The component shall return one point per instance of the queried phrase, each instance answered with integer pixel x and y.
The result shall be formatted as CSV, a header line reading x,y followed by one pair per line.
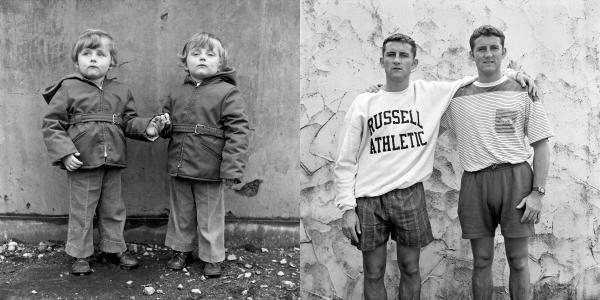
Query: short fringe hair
x,y
91,38
486,30
204,40
399,37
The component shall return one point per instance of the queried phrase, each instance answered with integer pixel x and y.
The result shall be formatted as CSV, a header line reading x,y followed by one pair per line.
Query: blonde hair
x,y
204,40
92,38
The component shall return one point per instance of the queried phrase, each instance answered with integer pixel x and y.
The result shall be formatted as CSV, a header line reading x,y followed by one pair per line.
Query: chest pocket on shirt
x,y
505,120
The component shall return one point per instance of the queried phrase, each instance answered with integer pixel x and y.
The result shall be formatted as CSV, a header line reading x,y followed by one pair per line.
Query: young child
x,y
208,141
84,128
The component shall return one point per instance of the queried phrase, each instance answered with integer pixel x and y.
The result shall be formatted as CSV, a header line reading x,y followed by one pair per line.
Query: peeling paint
x,y
556,42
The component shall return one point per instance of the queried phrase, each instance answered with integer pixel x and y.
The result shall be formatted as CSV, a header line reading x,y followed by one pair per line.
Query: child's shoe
x,y
179,260
124,260
212,269
81,267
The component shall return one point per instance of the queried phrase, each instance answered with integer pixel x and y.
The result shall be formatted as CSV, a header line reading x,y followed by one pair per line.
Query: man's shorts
x,y
401,212
490,196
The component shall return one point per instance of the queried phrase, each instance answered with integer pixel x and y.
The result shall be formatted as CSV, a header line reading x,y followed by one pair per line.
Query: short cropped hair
x,y
399,37
486,30
91,38
204,40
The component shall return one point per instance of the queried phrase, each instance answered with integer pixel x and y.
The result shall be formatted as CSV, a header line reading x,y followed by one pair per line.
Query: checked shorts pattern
x,y
401,213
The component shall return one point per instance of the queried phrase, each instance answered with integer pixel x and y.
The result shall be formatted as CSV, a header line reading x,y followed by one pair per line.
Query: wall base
x,y
238,231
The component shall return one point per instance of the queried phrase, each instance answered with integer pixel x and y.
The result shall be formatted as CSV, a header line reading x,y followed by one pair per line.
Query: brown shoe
x,y
179,260
81,267
212,269
124,260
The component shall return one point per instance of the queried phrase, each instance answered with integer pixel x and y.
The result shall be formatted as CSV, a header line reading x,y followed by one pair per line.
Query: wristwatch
x,y
539,189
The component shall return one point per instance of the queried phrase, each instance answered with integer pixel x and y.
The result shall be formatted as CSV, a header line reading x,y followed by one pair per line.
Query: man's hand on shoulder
x,y
351,226
526,81
374,88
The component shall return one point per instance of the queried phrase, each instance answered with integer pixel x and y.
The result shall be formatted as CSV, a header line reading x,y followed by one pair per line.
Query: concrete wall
x,y
262,39
554,41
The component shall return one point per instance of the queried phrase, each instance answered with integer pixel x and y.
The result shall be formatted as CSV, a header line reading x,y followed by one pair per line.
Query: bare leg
x,y
517,253
410,282
374,268
483,256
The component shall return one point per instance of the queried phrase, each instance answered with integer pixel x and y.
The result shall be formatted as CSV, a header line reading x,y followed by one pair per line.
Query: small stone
x,y
149,290
252,281
248,266
292,265
149,249
283,261
202,278
264,286
244,292
187,273
288,285
231,257
159,291
247,275
146,253
240,276
196,291
129,282
264,250
12,246
40,256
184,270
257,272
27,255
34,292
42,247
180,287
280,273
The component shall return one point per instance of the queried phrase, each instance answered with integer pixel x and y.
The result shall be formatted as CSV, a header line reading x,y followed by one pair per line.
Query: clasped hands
x,y
157,124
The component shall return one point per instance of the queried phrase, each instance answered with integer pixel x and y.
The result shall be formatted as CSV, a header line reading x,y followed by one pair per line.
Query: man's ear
x,y
471,55
414,64
503,52
381,61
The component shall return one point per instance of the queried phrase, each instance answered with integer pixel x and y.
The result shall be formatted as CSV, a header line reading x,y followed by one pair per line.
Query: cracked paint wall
x,y
261,36
555,41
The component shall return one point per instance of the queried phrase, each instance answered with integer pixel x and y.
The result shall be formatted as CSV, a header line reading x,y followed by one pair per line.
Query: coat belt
x,y
198,129
96,117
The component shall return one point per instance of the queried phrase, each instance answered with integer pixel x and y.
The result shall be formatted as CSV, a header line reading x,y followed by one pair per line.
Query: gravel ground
x,y
42,271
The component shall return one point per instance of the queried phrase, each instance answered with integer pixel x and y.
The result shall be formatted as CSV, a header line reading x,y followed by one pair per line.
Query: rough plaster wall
x,y
555,41
35,42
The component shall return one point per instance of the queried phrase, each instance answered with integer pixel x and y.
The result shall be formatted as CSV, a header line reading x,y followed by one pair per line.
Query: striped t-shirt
x,y
491,122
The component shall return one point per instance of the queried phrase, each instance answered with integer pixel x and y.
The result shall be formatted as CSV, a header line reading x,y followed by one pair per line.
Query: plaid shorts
x,y
401,212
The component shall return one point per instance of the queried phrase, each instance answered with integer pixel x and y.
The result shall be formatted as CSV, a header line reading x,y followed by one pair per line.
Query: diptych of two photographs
x,y
318,149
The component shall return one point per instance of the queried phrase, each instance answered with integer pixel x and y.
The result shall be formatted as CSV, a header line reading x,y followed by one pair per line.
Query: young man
x,y
385,152
491,118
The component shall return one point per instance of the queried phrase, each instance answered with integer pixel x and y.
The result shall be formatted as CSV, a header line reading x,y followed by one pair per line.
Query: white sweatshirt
x,y
389,138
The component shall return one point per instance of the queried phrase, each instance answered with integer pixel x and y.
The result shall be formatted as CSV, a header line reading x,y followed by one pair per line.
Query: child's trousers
x,y
197,207
89,190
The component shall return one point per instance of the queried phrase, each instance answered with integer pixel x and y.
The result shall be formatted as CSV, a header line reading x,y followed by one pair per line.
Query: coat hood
x,y
49,91
227,75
